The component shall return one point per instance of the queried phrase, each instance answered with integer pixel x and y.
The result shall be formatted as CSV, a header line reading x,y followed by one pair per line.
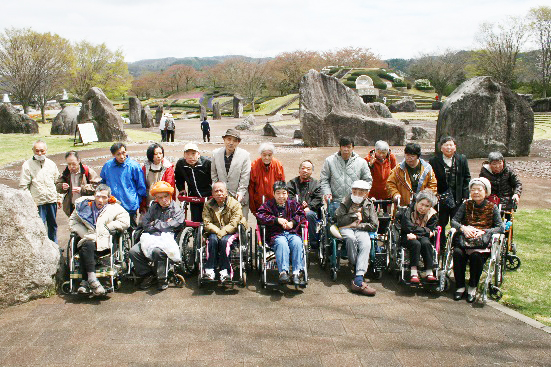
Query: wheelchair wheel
x,y
186,242
377,274
179,281
512,262
66,287
243,282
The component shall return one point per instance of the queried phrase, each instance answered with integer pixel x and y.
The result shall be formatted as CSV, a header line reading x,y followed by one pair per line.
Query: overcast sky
x,y
165,28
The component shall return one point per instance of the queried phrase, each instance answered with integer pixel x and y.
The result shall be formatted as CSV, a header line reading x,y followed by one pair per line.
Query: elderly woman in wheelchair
x,y
94,220
476,221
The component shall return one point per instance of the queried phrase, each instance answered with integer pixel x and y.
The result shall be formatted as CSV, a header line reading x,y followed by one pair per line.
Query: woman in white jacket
x,y
92,220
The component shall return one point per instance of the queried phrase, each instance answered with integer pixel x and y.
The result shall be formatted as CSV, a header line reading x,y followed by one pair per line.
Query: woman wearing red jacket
x,y
156,168
381,161
265,171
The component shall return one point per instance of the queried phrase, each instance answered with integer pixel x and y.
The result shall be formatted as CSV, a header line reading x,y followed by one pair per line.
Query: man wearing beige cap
x,y
194,171
232,165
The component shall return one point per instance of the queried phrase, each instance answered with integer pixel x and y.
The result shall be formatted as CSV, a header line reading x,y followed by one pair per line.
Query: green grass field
x,y
272,104
528,289
15,147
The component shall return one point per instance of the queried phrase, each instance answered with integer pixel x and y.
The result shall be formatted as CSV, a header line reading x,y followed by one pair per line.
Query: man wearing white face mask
x,y
38,177
356,217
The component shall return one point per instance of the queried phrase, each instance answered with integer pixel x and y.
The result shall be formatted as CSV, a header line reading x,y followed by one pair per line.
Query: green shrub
x,y
409,86
384,75
350,84
399,84
424,87
380,85
333,70
352,78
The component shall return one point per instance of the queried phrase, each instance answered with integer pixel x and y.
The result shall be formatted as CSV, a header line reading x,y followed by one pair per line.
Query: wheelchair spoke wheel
x,y
186,242
512,262
179,280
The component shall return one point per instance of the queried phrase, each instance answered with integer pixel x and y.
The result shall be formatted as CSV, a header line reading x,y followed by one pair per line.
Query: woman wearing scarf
x,y
156,168
419,222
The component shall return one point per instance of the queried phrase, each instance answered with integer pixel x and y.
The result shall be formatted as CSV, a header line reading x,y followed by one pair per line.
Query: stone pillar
x,y
134,110
237,107
159,113
147,117
203,112
216,114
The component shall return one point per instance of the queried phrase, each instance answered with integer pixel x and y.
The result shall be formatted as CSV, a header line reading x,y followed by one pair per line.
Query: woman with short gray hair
x,y
380,161
265,171
418,230
505,183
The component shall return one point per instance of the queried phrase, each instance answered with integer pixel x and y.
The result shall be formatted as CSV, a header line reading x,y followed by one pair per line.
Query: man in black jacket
x,y
452,175
194,170
308,191
505,182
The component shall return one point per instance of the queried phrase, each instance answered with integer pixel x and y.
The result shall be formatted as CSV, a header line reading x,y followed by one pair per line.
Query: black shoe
x,y
458,295
470,298
162,285
283,277
147,282
296,280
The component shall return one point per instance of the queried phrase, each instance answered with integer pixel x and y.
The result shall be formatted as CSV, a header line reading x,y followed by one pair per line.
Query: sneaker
x,y
283,277
365,289
414,279
224,276
84,287
208,274
296,280
162,284
431,278
147,282
97,288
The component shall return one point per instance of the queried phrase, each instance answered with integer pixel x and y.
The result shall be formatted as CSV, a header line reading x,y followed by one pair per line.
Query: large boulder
x,y
216,114
237,106
13,122
29,261
542,105
418,133
406,104
381,109
269,130
65,122
250,120
159,113
203,113
243,125
99,110
147,117
134,110
329,110
485,116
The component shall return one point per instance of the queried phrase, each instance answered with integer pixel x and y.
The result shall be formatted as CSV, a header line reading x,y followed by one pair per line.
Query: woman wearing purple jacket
x,y
282,217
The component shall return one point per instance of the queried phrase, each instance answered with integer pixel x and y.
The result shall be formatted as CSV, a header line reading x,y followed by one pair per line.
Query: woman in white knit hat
x,y
476,220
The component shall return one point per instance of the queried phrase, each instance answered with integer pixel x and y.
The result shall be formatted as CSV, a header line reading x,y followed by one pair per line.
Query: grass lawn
x,y
15,147
272,104
528,289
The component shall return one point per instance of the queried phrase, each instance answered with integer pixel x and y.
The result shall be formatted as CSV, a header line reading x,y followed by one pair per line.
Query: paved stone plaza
x,y
325,325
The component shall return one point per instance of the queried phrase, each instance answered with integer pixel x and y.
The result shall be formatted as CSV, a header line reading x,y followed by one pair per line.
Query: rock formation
x,y
216,114
406,104
13,122
542,105
203,112
98,109
134,110
381,109
147,117
330,110
159,113
269,130
237,106
484,116
65,122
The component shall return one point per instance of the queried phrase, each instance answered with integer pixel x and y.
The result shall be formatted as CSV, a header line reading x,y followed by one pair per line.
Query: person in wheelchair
x,y
221,217
419,222
505,182
476,220
356,217
157,242
93,220
282,217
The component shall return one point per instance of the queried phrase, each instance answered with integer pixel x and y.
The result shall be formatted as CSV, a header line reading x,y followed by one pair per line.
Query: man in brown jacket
x,y
411,176
221,217
76,180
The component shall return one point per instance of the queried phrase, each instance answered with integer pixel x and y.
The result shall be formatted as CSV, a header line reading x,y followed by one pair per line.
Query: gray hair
x,y
306,161
382,146
495,156
266,146
220,183
40,141
426,195
103,187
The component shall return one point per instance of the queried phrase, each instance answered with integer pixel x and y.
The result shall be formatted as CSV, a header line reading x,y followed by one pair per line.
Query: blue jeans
x,y
312,218
288,245
48,213
218,252
332,208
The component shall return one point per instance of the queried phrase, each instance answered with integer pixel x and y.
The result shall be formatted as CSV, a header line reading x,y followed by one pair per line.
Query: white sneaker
x,y
224,276
97,288
83,287
209,274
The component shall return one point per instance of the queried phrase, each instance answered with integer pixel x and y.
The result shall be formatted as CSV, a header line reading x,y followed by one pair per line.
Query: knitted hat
x,y
482,181
361,184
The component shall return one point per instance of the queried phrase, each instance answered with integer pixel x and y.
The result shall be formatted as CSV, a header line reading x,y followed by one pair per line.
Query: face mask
x,y
356,199
39,157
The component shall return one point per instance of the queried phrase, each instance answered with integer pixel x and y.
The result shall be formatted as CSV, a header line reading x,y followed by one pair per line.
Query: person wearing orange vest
x,y
265,171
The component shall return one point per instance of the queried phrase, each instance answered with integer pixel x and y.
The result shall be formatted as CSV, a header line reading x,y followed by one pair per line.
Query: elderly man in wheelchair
x,y
94,220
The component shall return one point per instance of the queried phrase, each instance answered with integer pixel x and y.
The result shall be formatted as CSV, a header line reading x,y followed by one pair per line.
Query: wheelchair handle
x,y
193,199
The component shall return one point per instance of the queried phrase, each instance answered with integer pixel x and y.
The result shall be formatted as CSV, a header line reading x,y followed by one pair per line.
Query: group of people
x,y
126,194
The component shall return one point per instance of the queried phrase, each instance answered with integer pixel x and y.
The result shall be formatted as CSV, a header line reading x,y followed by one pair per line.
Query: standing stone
x,y
542,105
250,120
216,114
381,109
329,110
159,113
147,117
418,133
203,112
28,260
237,106
406,104
485,116
134,110
13,122
243,125
65,122
98,109
269,130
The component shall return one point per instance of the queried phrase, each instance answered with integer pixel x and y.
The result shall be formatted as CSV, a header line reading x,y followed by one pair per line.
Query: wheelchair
x,y
173,272
112,266
492,273
509,258
379,259
265,258
189,240
240,259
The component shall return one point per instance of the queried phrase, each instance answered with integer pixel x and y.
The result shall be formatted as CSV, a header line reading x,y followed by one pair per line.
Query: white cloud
x,y
146,29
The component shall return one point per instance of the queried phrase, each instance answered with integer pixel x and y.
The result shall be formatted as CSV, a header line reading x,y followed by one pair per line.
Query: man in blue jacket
x,y
125,178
